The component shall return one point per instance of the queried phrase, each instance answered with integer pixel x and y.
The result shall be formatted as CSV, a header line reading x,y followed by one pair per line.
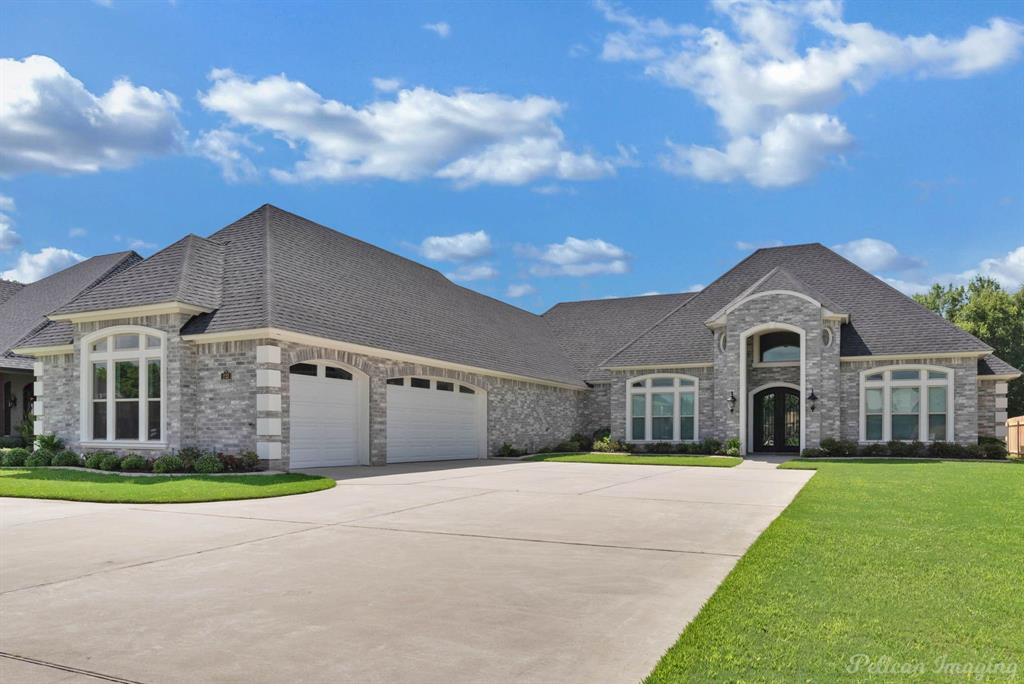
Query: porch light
x,y
226,375
812,398
732,401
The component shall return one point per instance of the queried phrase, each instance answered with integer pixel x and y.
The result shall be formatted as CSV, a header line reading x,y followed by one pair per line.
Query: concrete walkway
x,y
457,572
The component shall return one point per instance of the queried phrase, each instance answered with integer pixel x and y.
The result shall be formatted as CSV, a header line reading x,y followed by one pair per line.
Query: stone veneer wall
x,y
595,409
965,394
992,408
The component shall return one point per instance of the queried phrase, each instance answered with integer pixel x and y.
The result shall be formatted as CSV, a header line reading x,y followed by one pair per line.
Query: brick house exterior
x,y
217,343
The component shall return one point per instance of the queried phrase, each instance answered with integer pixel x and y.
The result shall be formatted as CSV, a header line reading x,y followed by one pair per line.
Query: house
x,y
23,310
284,337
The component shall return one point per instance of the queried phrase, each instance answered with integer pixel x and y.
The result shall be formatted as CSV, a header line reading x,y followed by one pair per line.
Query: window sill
x,y
122,444
776,364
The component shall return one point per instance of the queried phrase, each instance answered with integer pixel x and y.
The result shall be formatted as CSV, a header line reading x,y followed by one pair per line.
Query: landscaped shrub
x,y
875,450
39,458
13,458
249,461
585,442
812,453
208,463
838,448
168,463
133,463
732,446
993,448
972,451
607,445
11,442
942,450
51,443
660,448
110,462
602,433
567,447
189,456
913,449
66,458
509,451
710,446
94,459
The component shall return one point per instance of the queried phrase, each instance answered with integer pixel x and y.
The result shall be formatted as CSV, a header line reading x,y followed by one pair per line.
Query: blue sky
x,y
536,152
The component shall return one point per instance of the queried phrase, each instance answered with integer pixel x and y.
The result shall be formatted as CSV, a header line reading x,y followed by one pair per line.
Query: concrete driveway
x,y
458,572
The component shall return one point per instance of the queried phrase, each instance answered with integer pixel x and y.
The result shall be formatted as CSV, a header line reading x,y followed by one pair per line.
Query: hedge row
x,y
987,448
187,460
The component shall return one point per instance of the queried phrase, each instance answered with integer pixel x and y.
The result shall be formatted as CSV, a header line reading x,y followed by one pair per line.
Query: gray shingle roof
x,y
188,271
8,288
25,311
882,319
284,271
993,365
590,331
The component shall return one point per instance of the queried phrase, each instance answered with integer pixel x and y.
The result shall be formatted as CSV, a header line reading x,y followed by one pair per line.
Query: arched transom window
x,y
662,408
125,386
907,403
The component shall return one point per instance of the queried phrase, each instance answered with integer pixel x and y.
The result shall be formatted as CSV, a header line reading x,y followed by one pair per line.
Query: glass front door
x,y
777,420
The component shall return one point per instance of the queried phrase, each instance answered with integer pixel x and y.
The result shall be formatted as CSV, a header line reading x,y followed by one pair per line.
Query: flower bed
x,y
187,460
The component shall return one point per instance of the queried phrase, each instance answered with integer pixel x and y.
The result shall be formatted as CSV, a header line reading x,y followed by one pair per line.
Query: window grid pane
x,y
686,427
99,380
153,421
126,420
873,428
99,420
126,342
126,379
153,379
638,428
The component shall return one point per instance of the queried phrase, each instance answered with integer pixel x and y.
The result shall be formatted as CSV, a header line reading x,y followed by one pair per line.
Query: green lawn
x,y
77,485
917,562
639,459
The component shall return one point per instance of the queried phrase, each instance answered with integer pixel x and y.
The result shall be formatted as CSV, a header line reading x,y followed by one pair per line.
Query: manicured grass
x,y
638,459
915,562
77,485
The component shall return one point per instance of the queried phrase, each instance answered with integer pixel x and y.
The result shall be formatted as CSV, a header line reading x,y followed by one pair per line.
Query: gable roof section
x,y
188,271
993,365
779,279
284,271
590,331
24,313
882,319
8,288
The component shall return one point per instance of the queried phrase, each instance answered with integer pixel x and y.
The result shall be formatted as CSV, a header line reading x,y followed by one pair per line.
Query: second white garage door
x,y
433,420
327,416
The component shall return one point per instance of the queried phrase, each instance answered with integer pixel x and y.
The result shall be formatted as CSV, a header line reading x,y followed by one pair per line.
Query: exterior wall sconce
x,y
812,398
731,401
226,375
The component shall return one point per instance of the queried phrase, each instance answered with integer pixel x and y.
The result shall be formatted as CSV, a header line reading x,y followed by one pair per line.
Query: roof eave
x,y
130,311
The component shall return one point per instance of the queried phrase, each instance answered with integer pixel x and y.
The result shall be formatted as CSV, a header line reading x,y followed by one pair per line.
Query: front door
x,y
777,420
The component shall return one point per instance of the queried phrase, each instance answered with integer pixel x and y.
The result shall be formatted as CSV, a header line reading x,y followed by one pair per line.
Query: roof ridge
x,y
571,302
183,272
108,273
268,281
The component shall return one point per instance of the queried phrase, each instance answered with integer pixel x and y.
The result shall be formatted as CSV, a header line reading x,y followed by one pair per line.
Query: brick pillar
x,y
268,407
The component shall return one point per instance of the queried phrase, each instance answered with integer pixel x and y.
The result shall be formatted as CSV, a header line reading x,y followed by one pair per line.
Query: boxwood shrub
x,y
94,459
168,463
110,462
66,458
209,463
13,458
39,458
133,463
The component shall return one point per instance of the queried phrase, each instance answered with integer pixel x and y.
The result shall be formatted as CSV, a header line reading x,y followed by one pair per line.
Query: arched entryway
x,y
775,418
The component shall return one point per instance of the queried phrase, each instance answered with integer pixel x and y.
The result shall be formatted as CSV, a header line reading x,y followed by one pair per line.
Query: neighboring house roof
x,y
882,319
590,331
283,271
24,312
993,365
188,271
8,288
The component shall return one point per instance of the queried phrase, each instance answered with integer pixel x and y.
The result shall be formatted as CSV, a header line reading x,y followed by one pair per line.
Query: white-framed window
x,y
124,385
777,348
662,408
906,403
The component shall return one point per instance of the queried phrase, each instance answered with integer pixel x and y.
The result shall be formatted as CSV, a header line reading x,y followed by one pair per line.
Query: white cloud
x,y
77,232
460,247
441,28
472,272
386,85
50,122
224,148
141,244
771,96
872,254
1007,270
519,290
48,260
695,287
466,137
9,239
577,257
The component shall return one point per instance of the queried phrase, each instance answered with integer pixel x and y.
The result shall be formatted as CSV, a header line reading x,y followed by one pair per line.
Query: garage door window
x,y
317,371
303,369
436,385
419,383
336,373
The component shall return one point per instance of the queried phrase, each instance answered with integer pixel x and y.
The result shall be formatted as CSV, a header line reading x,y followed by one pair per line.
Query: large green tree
x,y
990,313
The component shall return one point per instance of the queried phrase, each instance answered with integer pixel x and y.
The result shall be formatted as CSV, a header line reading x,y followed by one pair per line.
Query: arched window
x,y
781,347
124,386
662,408
906,403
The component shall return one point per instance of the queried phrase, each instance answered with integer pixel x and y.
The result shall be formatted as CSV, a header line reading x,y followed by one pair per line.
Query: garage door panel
x,y
324,425
429,424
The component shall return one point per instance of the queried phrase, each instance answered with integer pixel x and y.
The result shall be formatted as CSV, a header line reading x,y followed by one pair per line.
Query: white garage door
x,y
325,415
433,420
